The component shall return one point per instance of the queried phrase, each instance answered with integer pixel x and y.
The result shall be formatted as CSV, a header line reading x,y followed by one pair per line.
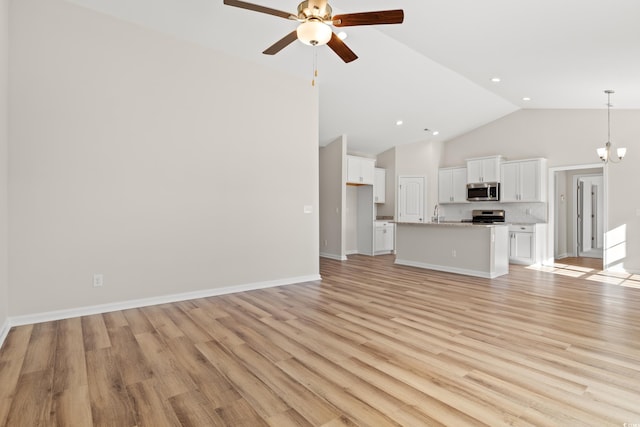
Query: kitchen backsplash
x,y
514,212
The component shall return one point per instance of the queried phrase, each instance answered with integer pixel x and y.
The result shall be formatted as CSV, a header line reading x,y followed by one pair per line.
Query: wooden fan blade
x,y
369,18
258,8
281,44
341,49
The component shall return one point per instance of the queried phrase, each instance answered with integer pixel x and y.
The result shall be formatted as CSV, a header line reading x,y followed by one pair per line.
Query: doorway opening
x,y
588,215
577,215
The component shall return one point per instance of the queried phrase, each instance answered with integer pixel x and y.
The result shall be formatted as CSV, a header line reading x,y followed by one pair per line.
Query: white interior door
x,y
590,206
586,215
597,188
411,198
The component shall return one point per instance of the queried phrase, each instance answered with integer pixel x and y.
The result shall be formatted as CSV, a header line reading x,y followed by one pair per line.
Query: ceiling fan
x,y
315,17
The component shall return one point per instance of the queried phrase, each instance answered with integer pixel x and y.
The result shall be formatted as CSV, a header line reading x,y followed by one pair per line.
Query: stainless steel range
x,y
487,216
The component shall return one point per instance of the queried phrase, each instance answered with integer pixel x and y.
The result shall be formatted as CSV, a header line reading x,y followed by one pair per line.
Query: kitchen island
x,y
480,250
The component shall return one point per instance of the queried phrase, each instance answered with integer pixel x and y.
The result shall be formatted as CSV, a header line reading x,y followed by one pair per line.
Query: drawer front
x,y
522,228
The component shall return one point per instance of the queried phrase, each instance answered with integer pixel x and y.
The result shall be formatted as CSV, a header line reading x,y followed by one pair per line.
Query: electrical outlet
x,y
98,280
454,253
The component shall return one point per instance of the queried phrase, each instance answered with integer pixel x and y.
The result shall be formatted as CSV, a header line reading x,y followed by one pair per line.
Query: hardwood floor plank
x,y
161,322
203,375
129,356
150,407
187,325
71,407
162,366
17,343
372,344
240,413
12,356
41,353
31,403
190,411
110,403
264,400
310,407
338,395
94,333
137,321
70,369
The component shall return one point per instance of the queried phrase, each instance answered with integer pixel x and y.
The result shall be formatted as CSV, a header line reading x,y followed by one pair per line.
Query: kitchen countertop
x,y
453,224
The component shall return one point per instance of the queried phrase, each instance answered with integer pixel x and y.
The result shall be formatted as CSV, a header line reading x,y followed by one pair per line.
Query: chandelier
x,y
605,152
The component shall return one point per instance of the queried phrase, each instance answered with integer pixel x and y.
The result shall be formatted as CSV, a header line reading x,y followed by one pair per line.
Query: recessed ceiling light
x,y
342,35
399,123
496,79
435,132
526,98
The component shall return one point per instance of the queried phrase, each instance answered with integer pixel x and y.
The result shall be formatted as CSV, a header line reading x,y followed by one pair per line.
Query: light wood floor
x,y
373,344
595,263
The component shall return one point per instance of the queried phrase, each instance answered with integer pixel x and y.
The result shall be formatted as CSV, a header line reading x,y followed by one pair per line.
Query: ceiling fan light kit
x,y
316,18
314,33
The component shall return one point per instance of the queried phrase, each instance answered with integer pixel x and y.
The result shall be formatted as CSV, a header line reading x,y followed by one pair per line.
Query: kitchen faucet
x,y
436,215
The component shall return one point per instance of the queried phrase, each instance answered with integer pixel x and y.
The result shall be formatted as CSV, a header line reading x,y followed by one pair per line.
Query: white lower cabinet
x,y
384,237
526,243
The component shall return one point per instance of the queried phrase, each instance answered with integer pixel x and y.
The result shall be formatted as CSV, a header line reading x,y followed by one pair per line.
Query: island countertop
x,y
453,223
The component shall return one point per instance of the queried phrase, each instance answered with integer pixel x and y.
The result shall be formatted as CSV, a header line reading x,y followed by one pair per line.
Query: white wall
x,y
4,165
167,167
351,223
333,199
421,158
562,215
387,161
570,137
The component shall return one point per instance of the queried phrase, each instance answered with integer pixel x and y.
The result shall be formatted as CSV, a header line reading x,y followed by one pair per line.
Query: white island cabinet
x,y
463,248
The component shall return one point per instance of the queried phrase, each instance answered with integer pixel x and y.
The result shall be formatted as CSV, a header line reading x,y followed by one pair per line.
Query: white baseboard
x,y
4,331
561,256
333,256
448,269
165,299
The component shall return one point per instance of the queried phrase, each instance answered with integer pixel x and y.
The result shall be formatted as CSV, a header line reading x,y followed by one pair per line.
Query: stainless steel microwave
x,y
483,191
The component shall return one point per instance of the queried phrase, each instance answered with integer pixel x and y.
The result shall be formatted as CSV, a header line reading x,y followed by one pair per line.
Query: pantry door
x,y
411,198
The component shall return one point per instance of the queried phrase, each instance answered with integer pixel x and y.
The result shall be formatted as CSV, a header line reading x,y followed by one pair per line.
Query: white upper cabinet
x,y
523,181
380,181
360,170
484,169
452,185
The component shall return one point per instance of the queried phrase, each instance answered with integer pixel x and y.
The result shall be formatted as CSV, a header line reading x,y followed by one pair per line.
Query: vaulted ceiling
x,y
435,70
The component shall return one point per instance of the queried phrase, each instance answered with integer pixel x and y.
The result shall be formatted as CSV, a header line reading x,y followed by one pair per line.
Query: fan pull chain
x,y
315,66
